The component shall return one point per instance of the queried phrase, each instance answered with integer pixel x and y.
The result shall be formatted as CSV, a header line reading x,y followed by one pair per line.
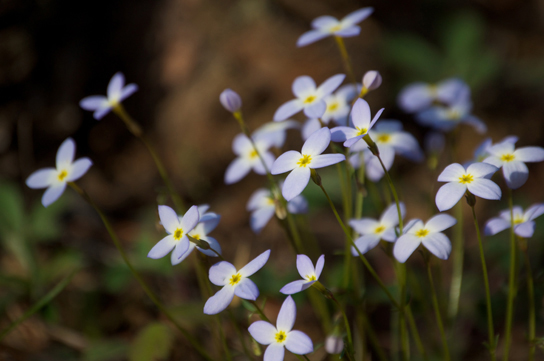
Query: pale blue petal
x,y
413,225
438,244
53,193
316,109
534,211
260,217
255,264
305,266
247,290
515,174
128,91
319,266
286,162
360,114
116,86
177,260
310,127
65,154
259,199
295,182
221,272
341,134
348,32
213,245
274,352
390,217
93,102
330,85
449,194
365,243
374,170
325,21
230,100
162,248
180,249
415,97
507,146
525,230
241,144
324,160
481,170
220,301
405,246
529,154
406,145
311,37
303,85
288,109
79,168
357,16
364,225
299,343
237,170
169,219
493,160
484,188
295,287
268,159
351,141
496,225
263,332
476,123
452,173
287,315
440,222
41,178
209,221
297,205
101,113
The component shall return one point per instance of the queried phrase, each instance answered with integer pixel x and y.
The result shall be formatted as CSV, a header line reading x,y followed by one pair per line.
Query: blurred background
x,y
182,54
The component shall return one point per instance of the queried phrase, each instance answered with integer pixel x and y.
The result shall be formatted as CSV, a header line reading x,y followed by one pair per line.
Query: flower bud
x,y
230,100
315,176
471,199
372,80
334,344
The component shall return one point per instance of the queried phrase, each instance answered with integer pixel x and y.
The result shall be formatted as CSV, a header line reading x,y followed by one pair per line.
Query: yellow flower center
x,y
361,131
253,154
63,174
196,236
518,220
235,279
383,138
269,201
178,233
311,278
332,107
309,99
433,90
422,232
507,157
467,178
280,336
453,114
336,28
304,161
379,229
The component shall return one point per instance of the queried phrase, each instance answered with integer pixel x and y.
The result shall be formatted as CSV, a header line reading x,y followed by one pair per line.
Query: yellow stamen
x,y
518,220
453,114
235,279
280,336
379,229
332,107
383,138
311,278
63,174
304,161
422,232
507,157
309,99
253,154
196,236
467,178
178,233
361,131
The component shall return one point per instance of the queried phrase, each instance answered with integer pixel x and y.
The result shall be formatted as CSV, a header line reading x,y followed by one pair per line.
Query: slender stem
x,y
346,323
261,313
404,342
457,264
511,281
373,338
531,297
395,196
347,216
136,275
415,332
490,329
240,335
437,313
345,58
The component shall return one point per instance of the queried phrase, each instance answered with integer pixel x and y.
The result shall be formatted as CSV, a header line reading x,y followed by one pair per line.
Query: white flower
x,y
428,234
55,179
275,132
309,97
282,336
308,273
234,283
334,344
300,163
362,123
327,25
248,158
447,117
419,96
475,179
117,92
524,225
373,231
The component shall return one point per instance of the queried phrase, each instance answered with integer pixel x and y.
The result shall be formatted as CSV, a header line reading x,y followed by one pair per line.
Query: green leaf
x,y
105,350
152,343
11,207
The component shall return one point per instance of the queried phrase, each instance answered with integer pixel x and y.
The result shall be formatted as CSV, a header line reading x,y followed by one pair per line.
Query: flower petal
x,y
484,188
525,230
220,301
496,225
162,248
365,243
319,266
100,113
263,332
364,225
341,134
534,211
390,217
348,32
299,343
303,85
311,37
324,160
449,194
529,154
128,91
297,205
330,85
415,97
116,86
287,315
213,245
515,174
288,109
438,244
221,272
286,162
452,173
180,249
316,109
255,265
93,102
310,127
440,222
274,352
41,178
246,289
237,170
493,160
482,170
190,219
260,217
476,123
360,114
325,21
175,260
350,142
305,266
405,246
295,287
65,154
53,193
295,182
357,16
268,159
169,219
79,168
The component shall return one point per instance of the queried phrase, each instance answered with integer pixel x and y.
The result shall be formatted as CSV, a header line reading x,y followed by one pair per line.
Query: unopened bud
x,y
471,199
281,211
316,178
334,344
372,80
230,100
199,243
371,145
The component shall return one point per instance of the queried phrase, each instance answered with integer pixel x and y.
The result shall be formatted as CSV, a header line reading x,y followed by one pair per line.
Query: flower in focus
x,y
513,160
420,96
309,97
230,100
248,158
55,179
373,231
234,283
117,92
327,25
362,123
428,234
300,163
475,179
177,229
309,274
275,132
447,117
262,206
524,225
282,336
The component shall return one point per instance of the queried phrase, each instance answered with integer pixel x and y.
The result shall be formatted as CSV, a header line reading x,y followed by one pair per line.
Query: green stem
x,y
345,58
346,323
373,338
401,277
457,260
531,297
394,192
240,335
511,281
415,332
261,313
490,329
136,275
437,312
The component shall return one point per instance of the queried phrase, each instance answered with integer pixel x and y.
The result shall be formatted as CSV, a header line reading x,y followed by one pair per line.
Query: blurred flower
x,y
262,206
372,80
309,98
177,229
446,118
419,96
307,271
428,234
248,158
373,231
117,92
230,100
328,25
234,283
362,122
475,179
282,335
334,344
300,163
66,171
524,225
275,131
513,160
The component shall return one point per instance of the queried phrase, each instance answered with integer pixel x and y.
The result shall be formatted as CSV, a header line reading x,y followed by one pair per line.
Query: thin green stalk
x,y
415,332
240,335
261,313
490,329
458,254
394,192
41,303
347,216
345,58
401,277
511,281
373,338
531,297
437,312
346,322
136,275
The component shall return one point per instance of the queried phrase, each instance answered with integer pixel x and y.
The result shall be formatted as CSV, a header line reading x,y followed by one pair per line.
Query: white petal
x,y
209,221
169,219
449,194
288,109
241,144
299,343
116,86
260,217
287,315
350,142
53,193
213,245
484,188
94,102
65,154
341,134
493,160
162,248
365,243
303,85
180,250
246,289
286,162
364,225
268,159
311,37
297,205
440,222
295,182
255,265
496,225
348,32
405,246
330,85
357,16
100,113
190,219
415,97
390,216
534,211
79,168
237,170
515,174
260,198
319,266
274,352
504,147
325,21
128,91
360,114
529,154
41,178
295,287
438,244
452,173
221,272
310,127
482,170
316,109
305,266
220,301
412,226
525,230
324,160
476,123
175,260
263,332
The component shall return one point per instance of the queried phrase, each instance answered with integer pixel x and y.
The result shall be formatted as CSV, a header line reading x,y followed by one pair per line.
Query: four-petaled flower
x,y
475,179
372,231
55,179
248,158
428,234
419,96
309,97
234,283
300,163
117,92
307,271
447,117
282,336
177,229
327,25
524,225
362,123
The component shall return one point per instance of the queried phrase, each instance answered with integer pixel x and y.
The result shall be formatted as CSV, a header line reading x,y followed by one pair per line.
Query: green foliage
x,y
152,343
104,350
